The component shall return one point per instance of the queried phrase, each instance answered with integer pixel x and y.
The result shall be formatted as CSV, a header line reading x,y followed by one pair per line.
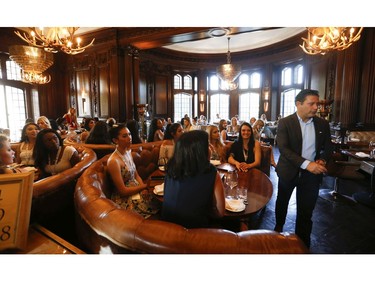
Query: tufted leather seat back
x,y
102,226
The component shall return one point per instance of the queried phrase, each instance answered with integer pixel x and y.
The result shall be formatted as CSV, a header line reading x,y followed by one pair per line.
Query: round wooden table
x,y
259,192
259,186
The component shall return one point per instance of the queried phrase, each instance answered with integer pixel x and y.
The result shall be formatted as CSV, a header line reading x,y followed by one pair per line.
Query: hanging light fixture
x,y
35,78
54,39
321,40
33,62
228,72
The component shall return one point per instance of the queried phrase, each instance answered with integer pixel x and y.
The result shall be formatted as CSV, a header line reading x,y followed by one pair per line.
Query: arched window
x,y
177,82
214,83
299,74
287,102
244,81
184,96
291,84
188,82
255,80
12,100
182,105
249,106
249,95
286,76
219,107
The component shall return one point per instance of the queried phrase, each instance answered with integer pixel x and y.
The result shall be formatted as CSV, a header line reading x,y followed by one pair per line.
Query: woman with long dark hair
x,y
51,156
130,192
99,134
133,127
27,143
155,132
193,189
245,153
172,134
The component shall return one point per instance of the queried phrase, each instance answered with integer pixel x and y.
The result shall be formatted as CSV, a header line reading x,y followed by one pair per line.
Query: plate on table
x,y
159,189
234,205
362,154
162,168
215,162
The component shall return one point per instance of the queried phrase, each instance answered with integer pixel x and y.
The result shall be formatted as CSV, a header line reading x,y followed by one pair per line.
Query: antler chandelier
x,y
55,39
32,61
321,40
229,72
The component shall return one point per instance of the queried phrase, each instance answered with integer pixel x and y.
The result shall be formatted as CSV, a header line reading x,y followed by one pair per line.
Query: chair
x,y
367,198
341,170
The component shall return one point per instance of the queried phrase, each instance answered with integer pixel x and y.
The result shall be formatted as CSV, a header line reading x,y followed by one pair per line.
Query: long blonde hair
x,y
216,143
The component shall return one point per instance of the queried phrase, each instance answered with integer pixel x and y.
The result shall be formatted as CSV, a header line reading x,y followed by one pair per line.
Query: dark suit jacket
x,y
289,140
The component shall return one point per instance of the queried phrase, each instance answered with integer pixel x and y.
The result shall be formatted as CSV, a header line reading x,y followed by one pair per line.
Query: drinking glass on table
x,y
231,181
243,194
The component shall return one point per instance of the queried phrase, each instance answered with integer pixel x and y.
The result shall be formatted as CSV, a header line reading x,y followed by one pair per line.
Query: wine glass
x,y
232,183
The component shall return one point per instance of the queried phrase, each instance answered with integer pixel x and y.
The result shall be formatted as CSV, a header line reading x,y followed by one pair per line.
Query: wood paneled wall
x,y
118,76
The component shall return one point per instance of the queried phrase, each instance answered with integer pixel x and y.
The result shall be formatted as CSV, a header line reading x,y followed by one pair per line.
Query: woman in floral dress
x,y
130,191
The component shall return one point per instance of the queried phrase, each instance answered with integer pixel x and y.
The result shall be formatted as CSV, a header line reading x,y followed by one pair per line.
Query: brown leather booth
x,y
55,193
102,226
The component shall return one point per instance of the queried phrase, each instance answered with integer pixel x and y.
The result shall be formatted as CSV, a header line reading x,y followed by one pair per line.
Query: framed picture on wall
x,y
16,192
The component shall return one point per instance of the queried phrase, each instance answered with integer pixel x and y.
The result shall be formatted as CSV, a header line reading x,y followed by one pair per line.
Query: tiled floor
x,y
337,228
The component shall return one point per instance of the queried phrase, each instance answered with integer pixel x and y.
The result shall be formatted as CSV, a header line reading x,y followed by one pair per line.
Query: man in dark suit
x,y
305,146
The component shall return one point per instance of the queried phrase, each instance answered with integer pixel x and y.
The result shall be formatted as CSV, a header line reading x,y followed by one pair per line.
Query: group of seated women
x,y
43,150
189,172
188,168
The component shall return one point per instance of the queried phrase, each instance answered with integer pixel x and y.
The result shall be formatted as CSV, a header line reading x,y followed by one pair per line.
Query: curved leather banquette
x,y
102,226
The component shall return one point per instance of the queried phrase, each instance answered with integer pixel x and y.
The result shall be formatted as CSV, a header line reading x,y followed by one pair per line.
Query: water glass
x,y
243,194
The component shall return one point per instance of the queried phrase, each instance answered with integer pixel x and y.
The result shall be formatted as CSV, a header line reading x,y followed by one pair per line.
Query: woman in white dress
x,y
51,156
26,148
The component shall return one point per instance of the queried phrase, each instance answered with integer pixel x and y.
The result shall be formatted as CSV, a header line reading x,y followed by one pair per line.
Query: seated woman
x,y
99,134
27,143
234,126
216,144
43,123
258,130
7,156
245,153
71,118
155,131
89,124
223,129
172,134
51,156
193,189
127,182
188,126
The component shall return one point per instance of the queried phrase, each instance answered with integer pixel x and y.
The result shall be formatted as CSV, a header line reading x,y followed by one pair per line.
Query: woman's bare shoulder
x,y
167,142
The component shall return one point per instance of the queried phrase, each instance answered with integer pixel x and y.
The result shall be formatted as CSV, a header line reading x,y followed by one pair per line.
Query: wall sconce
x,y
202,95
266,97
